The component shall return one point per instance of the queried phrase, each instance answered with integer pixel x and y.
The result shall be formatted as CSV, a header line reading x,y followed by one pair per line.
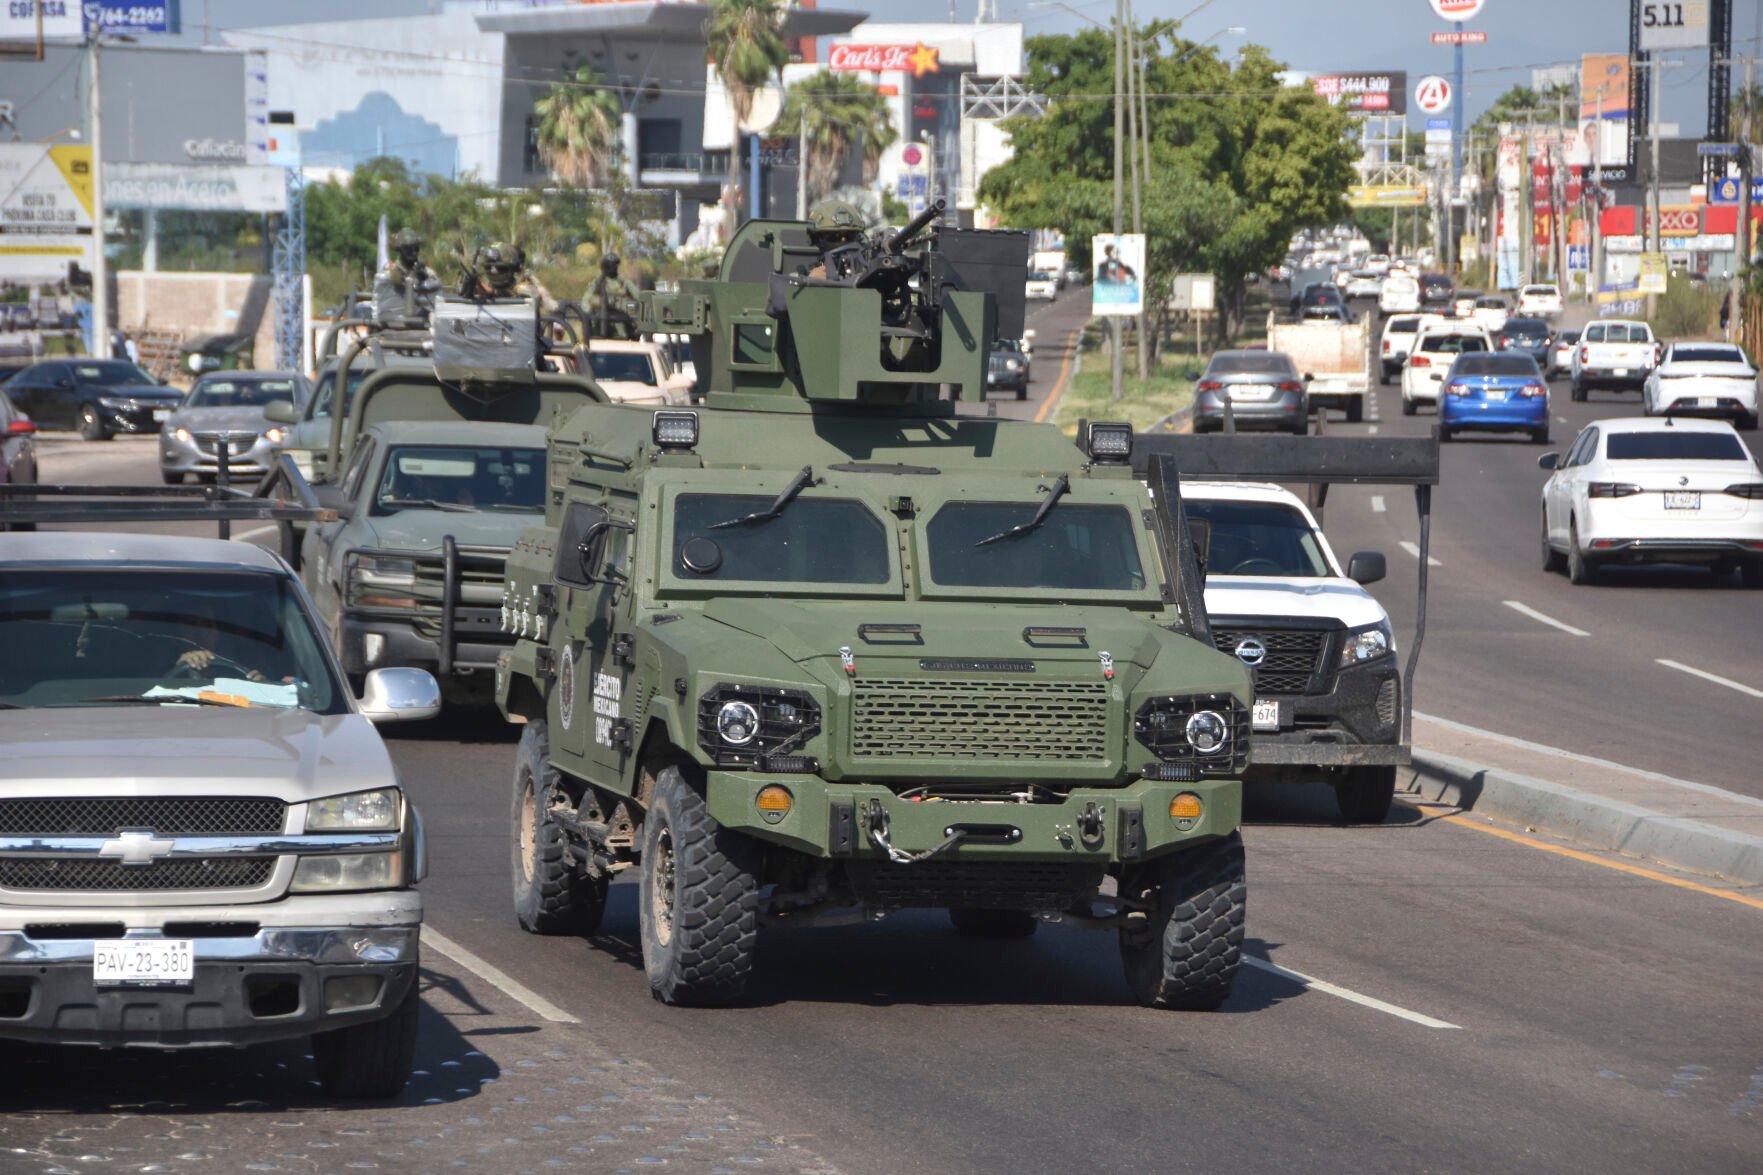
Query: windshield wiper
x,y
451,507
1053,495
800,482
164,700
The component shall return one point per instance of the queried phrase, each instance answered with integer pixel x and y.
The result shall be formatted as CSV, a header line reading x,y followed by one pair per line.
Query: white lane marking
x,y
1706,789
1527,610
1562,419
1413,550
535,1003
1377,506
1347,993
1373,430
247,535
1728,682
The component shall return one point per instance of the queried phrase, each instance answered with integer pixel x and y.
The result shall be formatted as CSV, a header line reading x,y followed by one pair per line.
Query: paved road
x,y
1489,1004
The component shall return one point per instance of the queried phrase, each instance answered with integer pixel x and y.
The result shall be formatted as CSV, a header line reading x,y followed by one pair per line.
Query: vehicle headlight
x,y
1205,733
274,436
762,727
380,571
347,871
1366,644
362,811
182,434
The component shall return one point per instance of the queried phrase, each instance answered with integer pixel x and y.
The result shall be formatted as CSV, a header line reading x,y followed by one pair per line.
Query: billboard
x,y
1386,196
45,210
1118,270
1679,24
1369,92
1604,82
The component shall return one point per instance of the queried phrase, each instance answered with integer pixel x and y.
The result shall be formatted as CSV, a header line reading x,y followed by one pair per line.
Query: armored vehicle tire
x,y
369,1060
1364,797
977,922
699,898
551,894
1182,944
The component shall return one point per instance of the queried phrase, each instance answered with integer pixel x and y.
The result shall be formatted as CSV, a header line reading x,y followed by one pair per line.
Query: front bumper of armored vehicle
x,y
281,970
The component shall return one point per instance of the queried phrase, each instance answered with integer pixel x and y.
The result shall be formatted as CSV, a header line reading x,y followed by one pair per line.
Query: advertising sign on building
x,y
131,16
1654,273
1118,270
1676,24
61,21
918,59
1432,95
1456,10
191,188
1374,92
66,21
45,210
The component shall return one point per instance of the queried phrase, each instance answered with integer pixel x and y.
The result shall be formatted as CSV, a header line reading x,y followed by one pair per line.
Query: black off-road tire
x,y
1364,796
698,900
369,1060
1182,950
91,426
1580,570
977,922
551,893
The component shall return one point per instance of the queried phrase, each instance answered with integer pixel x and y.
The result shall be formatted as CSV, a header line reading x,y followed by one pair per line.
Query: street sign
x,y
1717,148
1726,190
1456,10
1579,258
1460,37
1674,24
1432,94
1438,124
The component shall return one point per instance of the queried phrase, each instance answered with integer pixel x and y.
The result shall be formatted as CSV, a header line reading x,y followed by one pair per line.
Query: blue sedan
x,y
1494,391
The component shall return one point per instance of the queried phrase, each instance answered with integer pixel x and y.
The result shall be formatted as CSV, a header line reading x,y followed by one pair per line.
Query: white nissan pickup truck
x,y
1320,645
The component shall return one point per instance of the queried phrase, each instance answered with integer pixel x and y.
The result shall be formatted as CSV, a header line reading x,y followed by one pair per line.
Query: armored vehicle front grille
x,y
165,815
980,719
1292,655
1005,885
68,875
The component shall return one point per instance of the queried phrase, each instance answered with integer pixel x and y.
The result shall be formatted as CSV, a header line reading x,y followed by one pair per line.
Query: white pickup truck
x,y
1616,354
1334,359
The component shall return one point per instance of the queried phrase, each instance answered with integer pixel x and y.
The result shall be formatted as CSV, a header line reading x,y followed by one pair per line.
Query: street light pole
x,y
1654,65
1118,360
100,268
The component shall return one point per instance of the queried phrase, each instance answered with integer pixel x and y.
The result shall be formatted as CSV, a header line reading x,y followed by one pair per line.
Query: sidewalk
x,y
1593,802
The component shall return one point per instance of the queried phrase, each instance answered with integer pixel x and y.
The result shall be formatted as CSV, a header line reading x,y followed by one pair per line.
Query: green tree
x,y
746,43
577,128
839,111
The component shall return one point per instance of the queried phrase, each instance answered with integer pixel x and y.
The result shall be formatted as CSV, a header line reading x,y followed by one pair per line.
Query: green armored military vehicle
x,y
827,645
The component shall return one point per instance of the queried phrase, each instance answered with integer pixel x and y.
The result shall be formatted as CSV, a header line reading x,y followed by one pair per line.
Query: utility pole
x,y
1118,360
1134,86
802,164
100,270
1745,171
1595,277
1526,206
1654,65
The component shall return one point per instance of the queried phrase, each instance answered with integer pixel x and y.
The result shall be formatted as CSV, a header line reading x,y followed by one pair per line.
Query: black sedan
x,y
99,397
1527,336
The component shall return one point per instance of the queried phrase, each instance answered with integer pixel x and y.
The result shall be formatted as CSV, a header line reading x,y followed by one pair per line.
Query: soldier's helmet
x,y
407,238
609,264
499,264
835,222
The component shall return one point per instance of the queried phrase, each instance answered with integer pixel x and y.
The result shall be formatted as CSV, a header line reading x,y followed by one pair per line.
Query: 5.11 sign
x,y
1674,24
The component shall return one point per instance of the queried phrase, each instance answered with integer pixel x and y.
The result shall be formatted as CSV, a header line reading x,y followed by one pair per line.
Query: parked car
x,y
1703,379
1435,349
1561,354
1436,289
1614,354
18,451
1490,310
1042,285
1641,490
227,407
1540,300
1263,387
1007,369
1528,336
99,397
1486,391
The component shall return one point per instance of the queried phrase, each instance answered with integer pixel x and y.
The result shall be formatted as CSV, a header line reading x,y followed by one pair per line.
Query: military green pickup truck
x,y
827,645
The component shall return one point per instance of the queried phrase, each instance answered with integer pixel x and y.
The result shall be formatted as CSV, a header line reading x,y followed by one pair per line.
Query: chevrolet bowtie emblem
x,y
136,848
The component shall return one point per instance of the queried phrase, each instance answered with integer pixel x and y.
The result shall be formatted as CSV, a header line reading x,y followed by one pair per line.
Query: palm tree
x,y
746,43
835,112
577,131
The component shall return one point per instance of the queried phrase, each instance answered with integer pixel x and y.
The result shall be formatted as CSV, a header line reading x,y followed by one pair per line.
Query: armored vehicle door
x,y
590,724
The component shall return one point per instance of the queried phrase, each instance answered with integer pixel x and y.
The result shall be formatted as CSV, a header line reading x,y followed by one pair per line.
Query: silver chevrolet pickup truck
x,y
203,841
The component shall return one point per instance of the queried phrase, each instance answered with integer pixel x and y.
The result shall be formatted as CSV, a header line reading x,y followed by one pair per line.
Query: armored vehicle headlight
x,y
676,430
1207,731
362,811
1110,442
1366,644
737,723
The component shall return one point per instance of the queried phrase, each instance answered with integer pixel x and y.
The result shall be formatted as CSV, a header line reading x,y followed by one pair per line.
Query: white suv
x,y
1435,349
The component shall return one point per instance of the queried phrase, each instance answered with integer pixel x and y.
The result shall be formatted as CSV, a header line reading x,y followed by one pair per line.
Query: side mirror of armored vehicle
x,y
1548,461
1366,567
281,412
397,695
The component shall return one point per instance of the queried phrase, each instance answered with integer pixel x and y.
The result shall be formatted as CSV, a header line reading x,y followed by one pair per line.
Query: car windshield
x,y
465,477
327,386
1040,275
237,393
1251,363
1402,326
1489,304
808,541
110,374
1258,538
622,366
1494,363
1566,338
1708,355
1526,328
1679,445
1540,291
1453,344
77,637
1075,548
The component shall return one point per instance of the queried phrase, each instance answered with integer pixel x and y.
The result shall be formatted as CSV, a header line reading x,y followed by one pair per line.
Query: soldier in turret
x,y
499,270
405,290
833,224
610,303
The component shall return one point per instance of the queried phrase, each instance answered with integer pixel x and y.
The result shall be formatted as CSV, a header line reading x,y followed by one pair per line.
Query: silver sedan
x,y
226,407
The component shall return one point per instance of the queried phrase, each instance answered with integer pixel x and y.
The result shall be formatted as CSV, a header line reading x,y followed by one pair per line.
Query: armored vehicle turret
x,y
826,644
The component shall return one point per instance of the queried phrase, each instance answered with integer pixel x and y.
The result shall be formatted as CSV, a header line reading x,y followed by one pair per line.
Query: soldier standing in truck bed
x,y
499,270
405,290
